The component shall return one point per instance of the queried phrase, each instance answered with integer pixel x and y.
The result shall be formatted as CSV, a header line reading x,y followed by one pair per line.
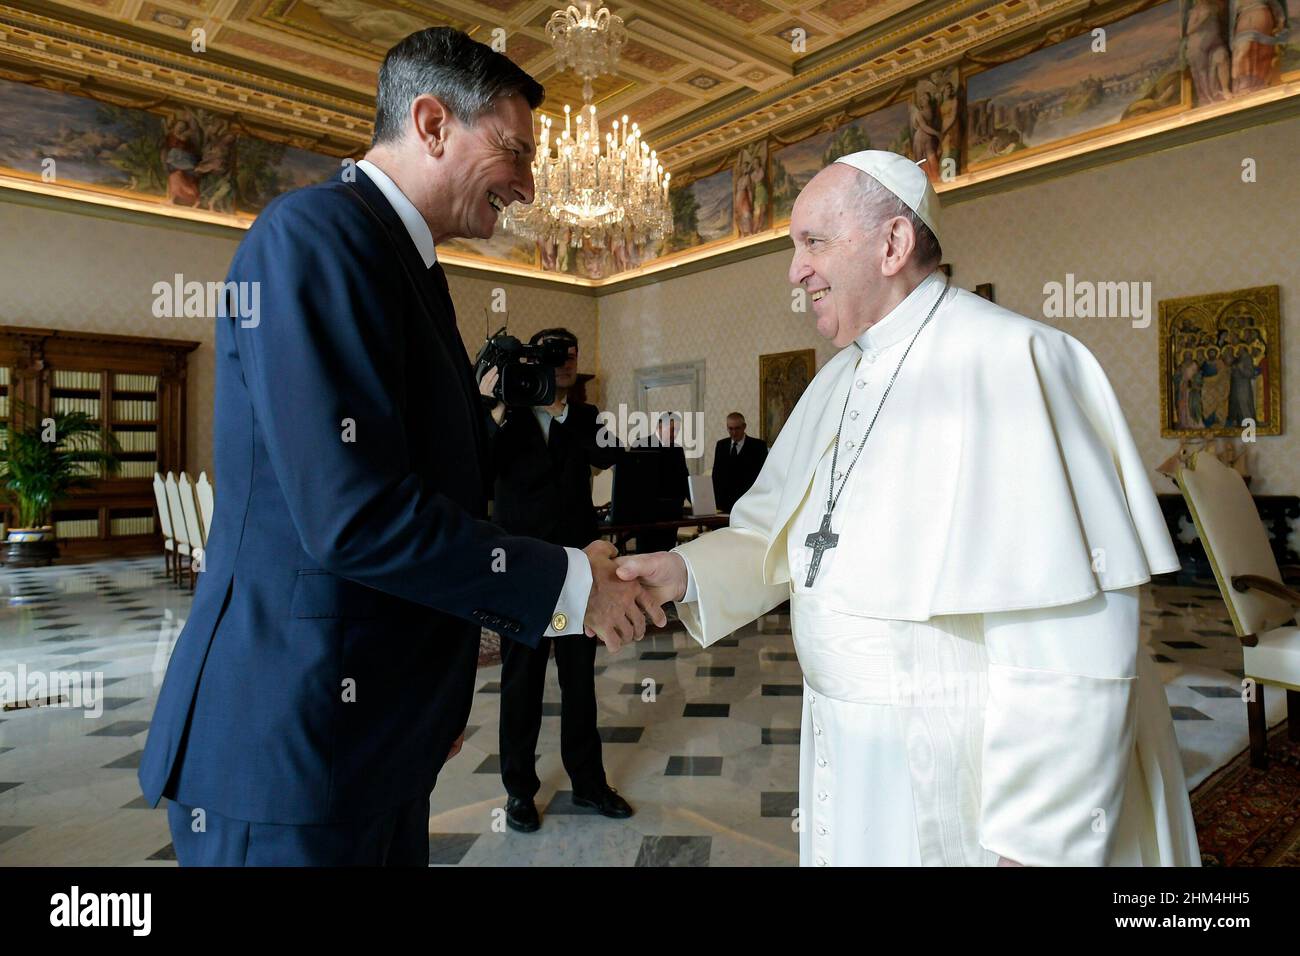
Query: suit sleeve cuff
x,y
571,608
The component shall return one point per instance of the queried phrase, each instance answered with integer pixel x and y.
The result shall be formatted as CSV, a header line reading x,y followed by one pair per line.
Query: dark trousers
x,y
523,681
399,837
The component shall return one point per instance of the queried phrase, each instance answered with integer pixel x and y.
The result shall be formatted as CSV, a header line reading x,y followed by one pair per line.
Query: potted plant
x,y
40,464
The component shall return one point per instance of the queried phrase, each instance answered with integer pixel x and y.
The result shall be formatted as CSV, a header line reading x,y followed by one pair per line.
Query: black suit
x,y
543,489
733,475
329,658
672,488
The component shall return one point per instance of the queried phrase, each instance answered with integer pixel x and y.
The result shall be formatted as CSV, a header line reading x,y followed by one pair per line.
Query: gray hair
x,y
467,76
873,204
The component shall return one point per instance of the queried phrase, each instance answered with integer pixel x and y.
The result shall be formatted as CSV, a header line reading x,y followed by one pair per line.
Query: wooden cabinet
x,y
134,386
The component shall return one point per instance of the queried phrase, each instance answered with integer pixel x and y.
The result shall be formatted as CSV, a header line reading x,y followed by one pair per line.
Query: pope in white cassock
x,y
959,517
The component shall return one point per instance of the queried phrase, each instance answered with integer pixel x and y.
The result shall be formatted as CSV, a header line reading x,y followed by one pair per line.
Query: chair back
x,y
193,528
174,503
602,488
702,500
203,492
1235,540
164,512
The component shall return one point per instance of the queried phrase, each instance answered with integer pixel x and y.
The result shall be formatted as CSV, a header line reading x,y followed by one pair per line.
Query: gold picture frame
x,y
782,378
1221,364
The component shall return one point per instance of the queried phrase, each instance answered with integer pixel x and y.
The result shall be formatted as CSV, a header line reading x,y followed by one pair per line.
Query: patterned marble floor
x,y
709,760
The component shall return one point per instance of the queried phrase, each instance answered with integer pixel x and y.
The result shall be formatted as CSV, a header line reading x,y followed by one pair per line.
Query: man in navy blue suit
x,y
327,668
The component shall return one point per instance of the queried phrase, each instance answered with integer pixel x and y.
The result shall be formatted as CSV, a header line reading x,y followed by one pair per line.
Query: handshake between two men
x,y
628,590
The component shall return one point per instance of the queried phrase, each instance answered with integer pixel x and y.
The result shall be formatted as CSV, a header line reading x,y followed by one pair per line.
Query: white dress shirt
x,y
544,418
406,211
572,605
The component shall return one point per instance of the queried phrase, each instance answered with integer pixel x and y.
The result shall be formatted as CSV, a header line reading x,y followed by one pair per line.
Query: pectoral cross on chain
x,y
821,541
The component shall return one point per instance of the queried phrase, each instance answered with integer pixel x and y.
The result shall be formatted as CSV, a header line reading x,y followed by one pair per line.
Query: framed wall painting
x,y
1221,364
782,378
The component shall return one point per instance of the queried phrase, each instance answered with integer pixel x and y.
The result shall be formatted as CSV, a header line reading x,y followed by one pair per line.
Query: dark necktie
x,y
439,280
735,450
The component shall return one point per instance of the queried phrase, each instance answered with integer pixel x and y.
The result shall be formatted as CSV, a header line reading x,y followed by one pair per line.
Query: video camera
x,y
527,372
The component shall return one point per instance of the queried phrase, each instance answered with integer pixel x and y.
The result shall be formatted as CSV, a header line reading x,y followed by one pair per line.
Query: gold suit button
x,y
560,621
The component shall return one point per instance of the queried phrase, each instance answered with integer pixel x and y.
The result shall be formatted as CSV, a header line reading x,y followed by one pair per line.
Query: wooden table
x,y
620,533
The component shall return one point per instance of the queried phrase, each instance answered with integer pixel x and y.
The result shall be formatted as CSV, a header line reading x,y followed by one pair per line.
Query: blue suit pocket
x,y
321,594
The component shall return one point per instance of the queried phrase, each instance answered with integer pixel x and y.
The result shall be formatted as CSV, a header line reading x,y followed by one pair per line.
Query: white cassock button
x,y
821,761
821,861
821,831
853,415
861,383
839,476
812,698
849,446
869,356
823,796
817,731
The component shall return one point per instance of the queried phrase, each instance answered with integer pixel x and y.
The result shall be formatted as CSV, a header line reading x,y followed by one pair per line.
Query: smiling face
x,y
835,258
491,166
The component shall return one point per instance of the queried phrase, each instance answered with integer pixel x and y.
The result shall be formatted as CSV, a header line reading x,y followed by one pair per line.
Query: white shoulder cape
x,y
1024,488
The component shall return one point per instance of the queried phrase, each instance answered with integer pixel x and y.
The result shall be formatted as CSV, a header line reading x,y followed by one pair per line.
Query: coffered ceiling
x,y
696,74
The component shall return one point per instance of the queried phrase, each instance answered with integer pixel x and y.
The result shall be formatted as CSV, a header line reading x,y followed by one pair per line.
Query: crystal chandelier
x,y
589,43
606,191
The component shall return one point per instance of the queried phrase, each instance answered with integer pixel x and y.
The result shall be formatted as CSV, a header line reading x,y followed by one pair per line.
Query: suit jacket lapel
x,y
434,296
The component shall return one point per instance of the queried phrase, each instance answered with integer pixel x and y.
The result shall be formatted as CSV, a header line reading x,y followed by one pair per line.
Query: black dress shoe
x,y
606,802
522,815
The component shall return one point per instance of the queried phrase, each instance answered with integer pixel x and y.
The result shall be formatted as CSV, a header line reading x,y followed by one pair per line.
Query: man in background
x,y
671,487
737,460
543,458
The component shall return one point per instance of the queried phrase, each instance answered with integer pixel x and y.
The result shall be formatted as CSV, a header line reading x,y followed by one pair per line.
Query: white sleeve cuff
x,y
571,608
692,592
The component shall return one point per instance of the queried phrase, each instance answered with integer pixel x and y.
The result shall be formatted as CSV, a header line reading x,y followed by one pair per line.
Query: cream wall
x,y
1181,219
69,270
531,308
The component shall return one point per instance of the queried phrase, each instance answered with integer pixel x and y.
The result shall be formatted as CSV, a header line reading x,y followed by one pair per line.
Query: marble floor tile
x,y
703,742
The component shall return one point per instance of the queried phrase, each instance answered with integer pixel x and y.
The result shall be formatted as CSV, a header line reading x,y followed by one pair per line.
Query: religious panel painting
x,y
793,166
1221,364
1072,91
782,378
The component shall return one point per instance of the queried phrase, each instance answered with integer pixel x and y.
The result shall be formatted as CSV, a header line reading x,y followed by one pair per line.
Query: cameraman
x,y
543,458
